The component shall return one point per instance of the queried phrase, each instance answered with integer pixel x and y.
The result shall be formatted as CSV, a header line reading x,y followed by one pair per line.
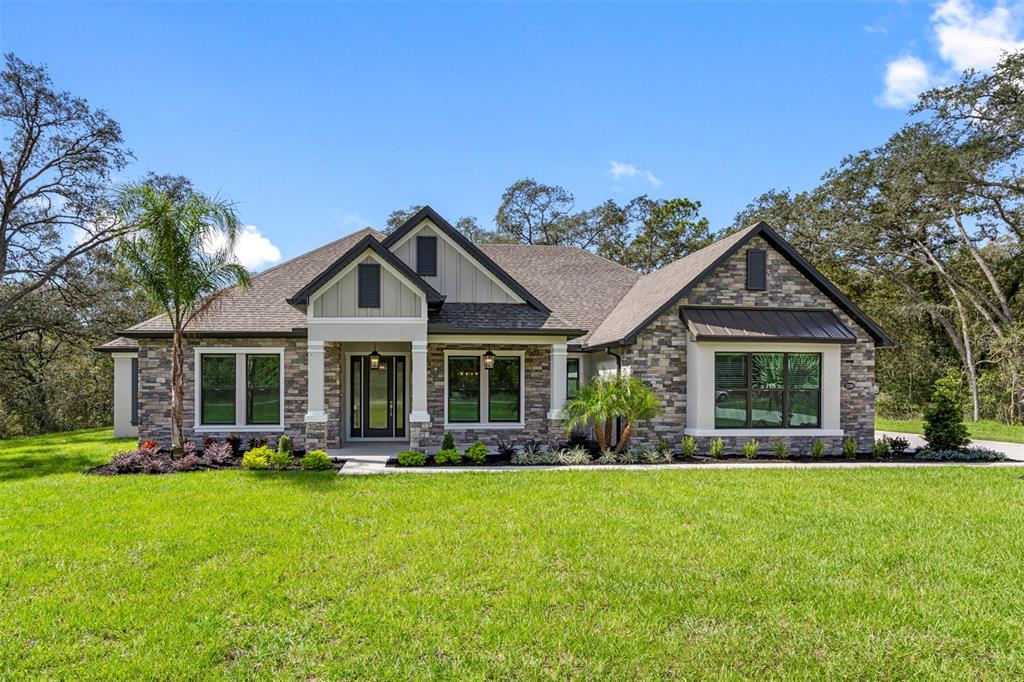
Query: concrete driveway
x,y
1014,451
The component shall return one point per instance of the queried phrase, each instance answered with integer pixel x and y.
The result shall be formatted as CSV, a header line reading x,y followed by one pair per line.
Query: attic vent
x,y
756,277
426,256
369,285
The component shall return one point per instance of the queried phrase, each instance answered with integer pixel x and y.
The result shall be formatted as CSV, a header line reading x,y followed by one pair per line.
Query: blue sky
x,y
318,119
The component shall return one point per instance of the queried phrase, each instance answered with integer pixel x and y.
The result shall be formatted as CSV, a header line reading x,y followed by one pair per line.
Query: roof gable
x,y
428,213
654,294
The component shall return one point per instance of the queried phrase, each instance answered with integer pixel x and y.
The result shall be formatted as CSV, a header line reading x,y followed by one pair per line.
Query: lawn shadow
x,y
58,453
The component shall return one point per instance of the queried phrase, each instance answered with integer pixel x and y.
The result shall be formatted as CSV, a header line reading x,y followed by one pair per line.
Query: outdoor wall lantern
x,y
488,360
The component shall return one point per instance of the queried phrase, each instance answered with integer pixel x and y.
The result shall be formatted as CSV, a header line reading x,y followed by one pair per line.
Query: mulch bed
x,y
501,460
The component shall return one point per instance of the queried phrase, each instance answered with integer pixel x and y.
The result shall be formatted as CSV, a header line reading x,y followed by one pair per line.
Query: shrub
x,y
411,458
574,456
581,439
631,456
315,460
898,445
235,442
975,454
141,461
448,441
880,448
534,454
284,444
850,448
257,442
150,445
944,427
280,459
648,456
218,454
688,446
818,449
607,457
751,448
476,453
717,448
188,448
257,458
507,448
663,446
189,462
780,449
208,442
447,456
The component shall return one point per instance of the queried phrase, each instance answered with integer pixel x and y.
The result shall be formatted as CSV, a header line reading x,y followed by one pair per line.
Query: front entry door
x,y
378,398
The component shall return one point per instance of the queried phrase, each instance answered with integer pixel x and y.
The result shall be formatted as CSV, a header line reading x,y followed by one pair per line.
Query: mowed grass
x,y
983,429
857,574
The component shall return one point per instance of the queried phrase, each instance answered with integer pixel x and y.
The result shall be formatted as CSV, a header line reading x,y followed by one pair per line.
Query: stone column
x,y
316,415
419,418
559,355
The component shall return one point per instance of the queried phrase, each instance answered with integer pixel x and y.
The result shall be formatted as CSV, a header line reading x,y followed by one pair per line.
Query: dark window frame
x,y
368,295
519,391
755,283
479,389
249,421
569,395
203,357
426,267
786,390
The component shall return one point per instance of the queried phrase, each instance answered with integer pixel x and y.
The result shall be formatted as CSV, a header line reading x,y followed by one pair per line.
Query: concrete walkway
x,y
1013,451
366,457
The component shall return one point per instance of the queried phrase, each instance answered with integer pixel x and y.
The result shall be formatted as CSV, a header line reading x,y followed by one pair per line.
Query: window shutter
x,y
369,285
756,276
426,256
135,392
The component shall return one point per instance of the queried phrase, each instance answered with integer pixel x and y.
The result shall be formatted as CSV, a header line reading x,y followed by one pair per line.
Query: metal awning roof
x,y
766,324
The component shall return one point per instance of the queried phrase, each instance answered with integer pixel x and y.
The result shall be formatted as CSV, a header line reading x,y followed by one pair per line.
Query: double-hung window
x,y
239,388
767,390
483,396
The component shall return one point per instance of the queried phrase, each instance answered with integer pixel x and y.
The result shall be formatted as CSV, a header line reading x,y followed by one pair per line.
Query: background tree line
x,y
924,232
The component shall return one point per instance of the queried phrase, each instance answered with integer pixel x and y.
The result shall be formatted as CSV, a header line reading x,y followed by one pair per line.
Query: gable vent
x,y
756,275
426,256
369,285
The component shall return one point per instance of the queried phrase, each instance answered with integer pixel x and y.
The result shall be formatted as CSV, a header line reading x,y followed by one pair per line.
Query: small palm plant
x,y
594,405
636,403
182,257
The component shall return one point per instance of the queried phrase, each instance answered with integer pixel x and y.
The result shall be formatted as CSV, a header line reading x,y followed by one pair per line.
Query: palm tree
x,y
182,256
635,402
594,405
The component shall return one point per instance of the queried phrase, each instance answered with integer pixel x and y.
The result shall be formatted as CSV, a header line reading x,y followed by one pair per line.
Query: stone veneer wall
x,y
155,389
659,354
537,397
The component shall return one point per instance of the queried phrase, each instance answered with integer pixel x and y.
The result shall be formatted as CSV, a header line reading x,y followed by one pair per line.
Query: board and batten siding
x,y
341,299
460,279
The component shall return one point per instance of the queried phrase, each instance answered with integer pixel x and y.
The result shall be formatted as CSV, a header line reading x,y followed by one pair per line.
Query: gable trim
x,y
762,229
387,258
471,249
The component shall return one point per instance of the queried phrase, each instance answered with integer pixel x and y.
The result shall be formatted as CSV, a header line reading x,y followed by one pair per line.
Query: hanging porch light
x,y
374,358
488,360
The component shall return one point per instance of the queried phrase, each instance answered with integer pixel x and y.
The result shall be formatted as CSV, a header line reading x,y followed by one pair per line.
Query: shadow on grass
x,y
57,453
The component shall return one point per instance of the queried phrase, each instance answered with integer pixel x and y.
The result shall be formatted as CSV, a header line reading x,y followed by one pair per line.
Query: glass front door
x,y
377,398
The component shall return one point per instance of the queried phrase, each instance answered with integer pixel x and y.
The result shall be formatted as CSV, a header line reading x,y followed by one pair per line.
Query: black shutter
x,y
369,285
135,392
426,256
756,277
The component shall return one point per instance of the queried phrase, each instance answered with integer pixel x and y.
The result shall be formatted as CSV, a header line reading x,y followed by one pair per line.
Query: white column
x,y
419,383
315,411
558,379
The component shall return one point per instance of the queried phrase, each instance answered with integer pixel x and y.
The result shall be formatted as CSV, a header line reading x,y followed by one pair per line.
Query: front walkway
x,y
366,457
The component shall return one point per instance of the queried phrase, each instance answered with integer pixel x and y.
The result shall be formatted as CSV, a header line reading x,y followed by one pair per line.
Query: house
x,y
408,335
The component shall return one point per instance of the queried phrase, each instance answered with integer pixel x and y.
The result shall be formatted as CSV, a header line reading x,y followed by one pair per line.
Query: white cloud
x,y
905,79
967,37
252,249
621,170
347,220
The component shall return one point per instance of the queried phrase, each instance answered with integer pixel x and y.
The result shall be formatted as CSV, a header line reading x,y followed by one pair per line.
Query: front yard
x,y
859,573
983,429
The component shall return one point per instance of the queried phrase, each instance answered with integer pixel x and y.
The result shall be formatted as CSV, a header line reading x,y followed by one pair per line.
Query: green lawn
x,y
984,429
858,573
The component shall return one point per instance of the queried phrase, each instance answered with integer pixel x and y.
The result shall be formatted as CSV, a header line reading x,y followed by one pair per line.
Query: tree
x,y
532,213
172,257
635,402
467,225
944,427
653,232
57,159
598,403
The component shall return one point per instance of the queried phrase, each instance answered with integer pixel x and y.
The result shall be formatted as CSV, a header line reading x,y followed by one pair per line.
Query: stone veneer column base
x,y
316,435
419,435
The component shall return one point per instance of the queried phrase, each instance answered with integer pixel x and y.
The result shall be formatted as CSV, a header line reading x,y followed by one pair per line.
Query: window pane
x,y
263,388
804,370
356,393
572,377
804,408
399,393
730,409
730,371
767,370
766,408
377,387
503,390
217,392
464,389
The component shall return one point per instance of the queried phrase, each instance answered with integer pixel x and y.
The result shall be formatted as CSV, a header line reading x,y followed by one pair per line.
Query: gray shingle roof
x,y
495,317
652,292
261,308
119,345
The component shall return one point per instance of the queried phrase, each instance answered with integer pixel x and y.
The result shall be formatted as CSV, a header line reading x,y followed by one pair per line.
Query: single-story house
x,y
411,334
